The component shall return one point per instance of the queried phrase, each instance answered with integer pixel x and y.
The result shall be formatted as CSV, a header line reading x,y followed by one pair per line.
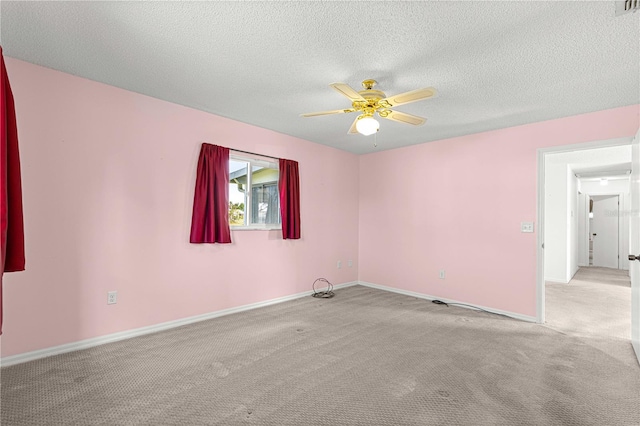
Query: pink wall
x,y
457,204
108,180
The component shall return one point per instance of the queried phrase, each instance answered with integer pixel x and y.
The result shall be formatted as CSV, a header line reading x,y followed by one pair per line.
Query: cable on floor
x,y
440,302
327,294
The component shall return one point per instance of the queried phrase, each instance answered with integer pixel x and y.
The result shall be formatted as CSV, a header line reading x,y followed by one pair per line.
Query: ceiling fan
x,y
370,101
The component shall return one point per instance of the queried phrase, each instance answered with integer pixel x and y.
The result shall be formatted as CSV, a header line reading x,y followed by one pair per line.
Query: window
x,y
253,193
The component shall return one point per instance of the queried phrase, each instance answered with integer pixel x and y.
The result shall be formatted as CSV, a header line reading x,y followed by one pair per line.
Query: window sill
x,y
255,228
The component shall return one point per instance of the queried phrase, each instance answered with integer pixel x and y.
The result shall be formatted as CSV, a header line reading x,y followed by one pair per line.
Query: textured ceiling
x,y
494,64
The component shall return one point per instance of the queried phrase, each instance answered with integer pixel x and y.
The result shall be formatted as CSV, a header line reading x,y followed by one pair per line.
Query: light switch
x,y
526,226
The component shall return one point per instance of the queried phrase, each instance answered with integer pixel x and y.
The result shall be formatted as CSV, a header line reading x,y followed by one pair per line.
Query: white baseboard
x,y
573,274
128,334
428,297
557,280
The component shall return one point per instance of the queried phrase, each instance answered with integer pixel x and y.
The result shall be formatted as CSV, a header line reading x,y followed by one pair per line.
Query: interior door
x,y
634,244
604,231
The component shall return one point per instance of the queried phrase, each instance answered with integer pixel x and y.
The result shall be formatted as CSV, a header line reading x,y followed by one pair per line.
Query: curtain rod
x,y
253,153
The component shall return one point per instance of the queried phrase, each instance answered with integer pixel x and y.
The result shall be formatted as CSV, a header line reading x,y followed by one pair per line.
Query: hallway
x,y
596,302
595,305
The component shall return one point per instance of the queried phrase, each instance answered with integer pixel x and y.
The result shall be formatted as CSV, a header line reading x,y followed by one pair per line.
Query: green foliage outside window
x,y
236,214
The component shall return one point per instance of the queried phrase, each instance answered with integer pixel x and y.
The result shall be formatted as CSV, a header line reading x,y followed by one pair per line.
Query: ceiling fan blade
x,y
335,111
407,97
402,117
347,91
352,129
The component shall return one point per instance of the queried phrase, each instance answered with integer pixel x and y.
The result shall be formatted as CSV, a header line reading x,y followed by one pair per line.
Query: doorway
x,y
604,231
559,254
593,302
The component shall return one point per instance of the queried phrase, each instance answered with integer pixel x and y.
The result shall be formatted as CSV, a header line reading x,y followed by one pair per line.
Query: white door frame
x,y
618,236
634,245
623,228
542,152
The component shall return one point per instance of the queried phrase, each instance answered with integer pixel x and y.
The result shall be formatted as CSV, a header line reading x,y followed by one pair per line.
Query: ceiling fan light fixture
x,y
369,101
367,125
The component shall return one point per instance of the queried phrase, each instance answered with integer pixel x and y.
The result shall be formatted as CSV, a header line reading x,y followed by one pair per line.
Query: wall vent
x,y
626,6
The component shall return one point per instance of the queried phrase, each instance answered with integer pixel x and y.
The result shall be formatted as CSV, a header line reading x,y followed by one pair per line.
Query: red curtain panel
x,y
11,222
210,220
289,186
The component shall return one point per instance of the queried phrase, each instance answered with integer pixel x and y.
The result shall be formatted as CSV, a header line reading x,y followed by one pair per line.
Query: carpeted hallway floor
x,y
595,305
365,357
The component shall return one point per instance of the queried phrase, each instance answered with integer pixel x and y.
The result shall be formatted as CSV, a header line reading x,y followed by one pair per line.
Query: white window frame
x,y
253,160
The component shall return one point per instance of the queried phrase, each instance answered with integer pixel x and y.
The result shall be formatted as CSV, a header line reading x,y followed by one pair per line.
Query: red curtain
x,y
289,186
210,220
11,223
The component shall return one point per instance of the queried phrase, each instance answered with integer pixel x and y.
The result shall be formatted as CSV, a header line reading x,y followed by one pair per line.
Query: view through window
x,y
253,192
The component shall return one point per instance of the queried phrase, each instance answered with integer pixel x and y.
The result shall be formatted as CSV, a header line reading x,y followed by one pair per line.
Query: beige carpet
x,y
365,357
596,302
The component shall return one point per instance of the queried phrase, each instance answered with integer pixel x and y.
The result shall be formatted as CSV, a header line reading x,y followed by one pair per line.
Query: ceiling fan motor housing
x,y
372,96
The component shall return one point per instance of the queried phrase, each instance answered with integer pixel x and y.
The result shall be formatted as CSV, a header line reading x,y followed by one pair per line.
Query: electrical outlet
x,y
112,298
442,274
339,264
350,263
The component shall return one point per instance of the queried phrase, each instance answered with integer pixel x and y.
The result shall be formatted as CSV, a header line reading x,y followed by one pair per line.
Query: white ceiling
x,y
495,64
